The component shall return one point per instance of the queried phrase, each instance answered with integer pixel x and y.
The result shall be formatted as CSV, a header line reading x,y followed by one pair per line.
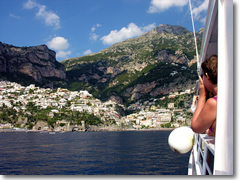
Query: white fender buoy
x,y
181,140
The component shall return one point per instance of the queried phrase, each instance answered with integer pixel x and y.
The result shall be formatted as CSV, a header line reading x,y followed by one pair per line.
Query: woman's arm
x,y
205,117
205,113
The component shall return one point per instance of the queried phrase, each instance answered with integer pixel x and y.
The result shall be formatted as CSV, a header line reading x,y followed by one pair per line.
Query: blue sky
x,y
75,28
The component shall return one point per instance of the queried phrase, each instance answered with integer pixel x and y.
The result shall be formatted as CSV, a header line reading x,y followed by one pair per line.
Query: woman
x,y
205,114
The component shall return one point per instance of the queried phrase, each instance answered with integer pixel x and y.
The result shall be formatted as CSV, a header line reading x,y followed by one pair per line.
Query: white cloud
x,y
203,20
149,27
162,5
98,25
14,16
198,10
93,29
126,32
30,4
50,18
63,54
89,51
95,26
58,43
93,35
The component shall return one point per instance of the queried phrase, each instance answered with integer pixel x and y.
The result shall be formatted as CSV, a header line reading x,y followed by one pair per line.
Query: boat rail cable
x,y
195,39
193,107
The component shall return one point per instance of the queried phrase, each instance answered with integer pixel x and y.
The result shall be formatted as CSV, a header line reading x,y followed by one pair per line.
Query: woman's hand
x,y
202,89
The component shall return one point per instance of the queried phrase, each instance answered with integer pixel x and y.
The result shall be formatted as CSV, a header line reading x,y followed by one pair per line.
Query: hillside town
x,y
146,115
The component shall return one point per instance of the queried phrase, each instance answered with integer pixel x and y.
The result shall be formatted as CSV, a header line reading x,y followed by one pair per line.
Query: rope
x,y
194,33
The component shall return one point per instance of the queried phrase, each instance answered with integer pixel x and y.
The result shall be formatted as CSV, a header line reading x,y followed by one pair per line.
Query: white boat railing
x,y
201,160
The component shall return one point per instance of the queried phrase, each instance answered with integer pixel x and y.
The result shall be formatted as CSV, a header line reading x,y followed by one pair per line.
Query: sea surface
x,y
90,153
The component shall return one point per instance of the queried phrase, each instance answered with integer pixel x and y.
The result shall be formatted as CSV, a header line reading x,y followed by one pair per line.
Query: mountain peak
x,y
166,28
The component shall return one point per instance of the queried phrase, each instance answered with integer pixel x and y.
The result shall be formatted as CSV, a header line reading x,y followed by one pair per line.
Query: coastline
x,y
100,130
93,130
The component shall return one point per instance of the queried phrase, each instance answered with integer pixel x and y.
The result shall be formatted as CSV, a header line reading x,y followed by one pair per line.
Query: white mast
x,y
223,161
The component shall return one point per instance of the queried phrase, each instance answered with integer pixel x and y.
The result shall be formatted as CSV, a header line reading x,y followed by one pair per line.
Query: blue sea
x,y
90,153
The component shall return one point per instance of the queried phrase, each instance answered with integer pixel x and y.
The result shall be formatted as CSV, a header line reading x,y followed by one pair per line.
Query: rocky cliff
x,y
37,64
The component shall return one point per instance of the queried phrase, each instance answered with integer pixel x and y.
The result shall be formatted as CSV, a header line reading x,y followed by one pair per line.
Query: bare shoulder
x,y
211,103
